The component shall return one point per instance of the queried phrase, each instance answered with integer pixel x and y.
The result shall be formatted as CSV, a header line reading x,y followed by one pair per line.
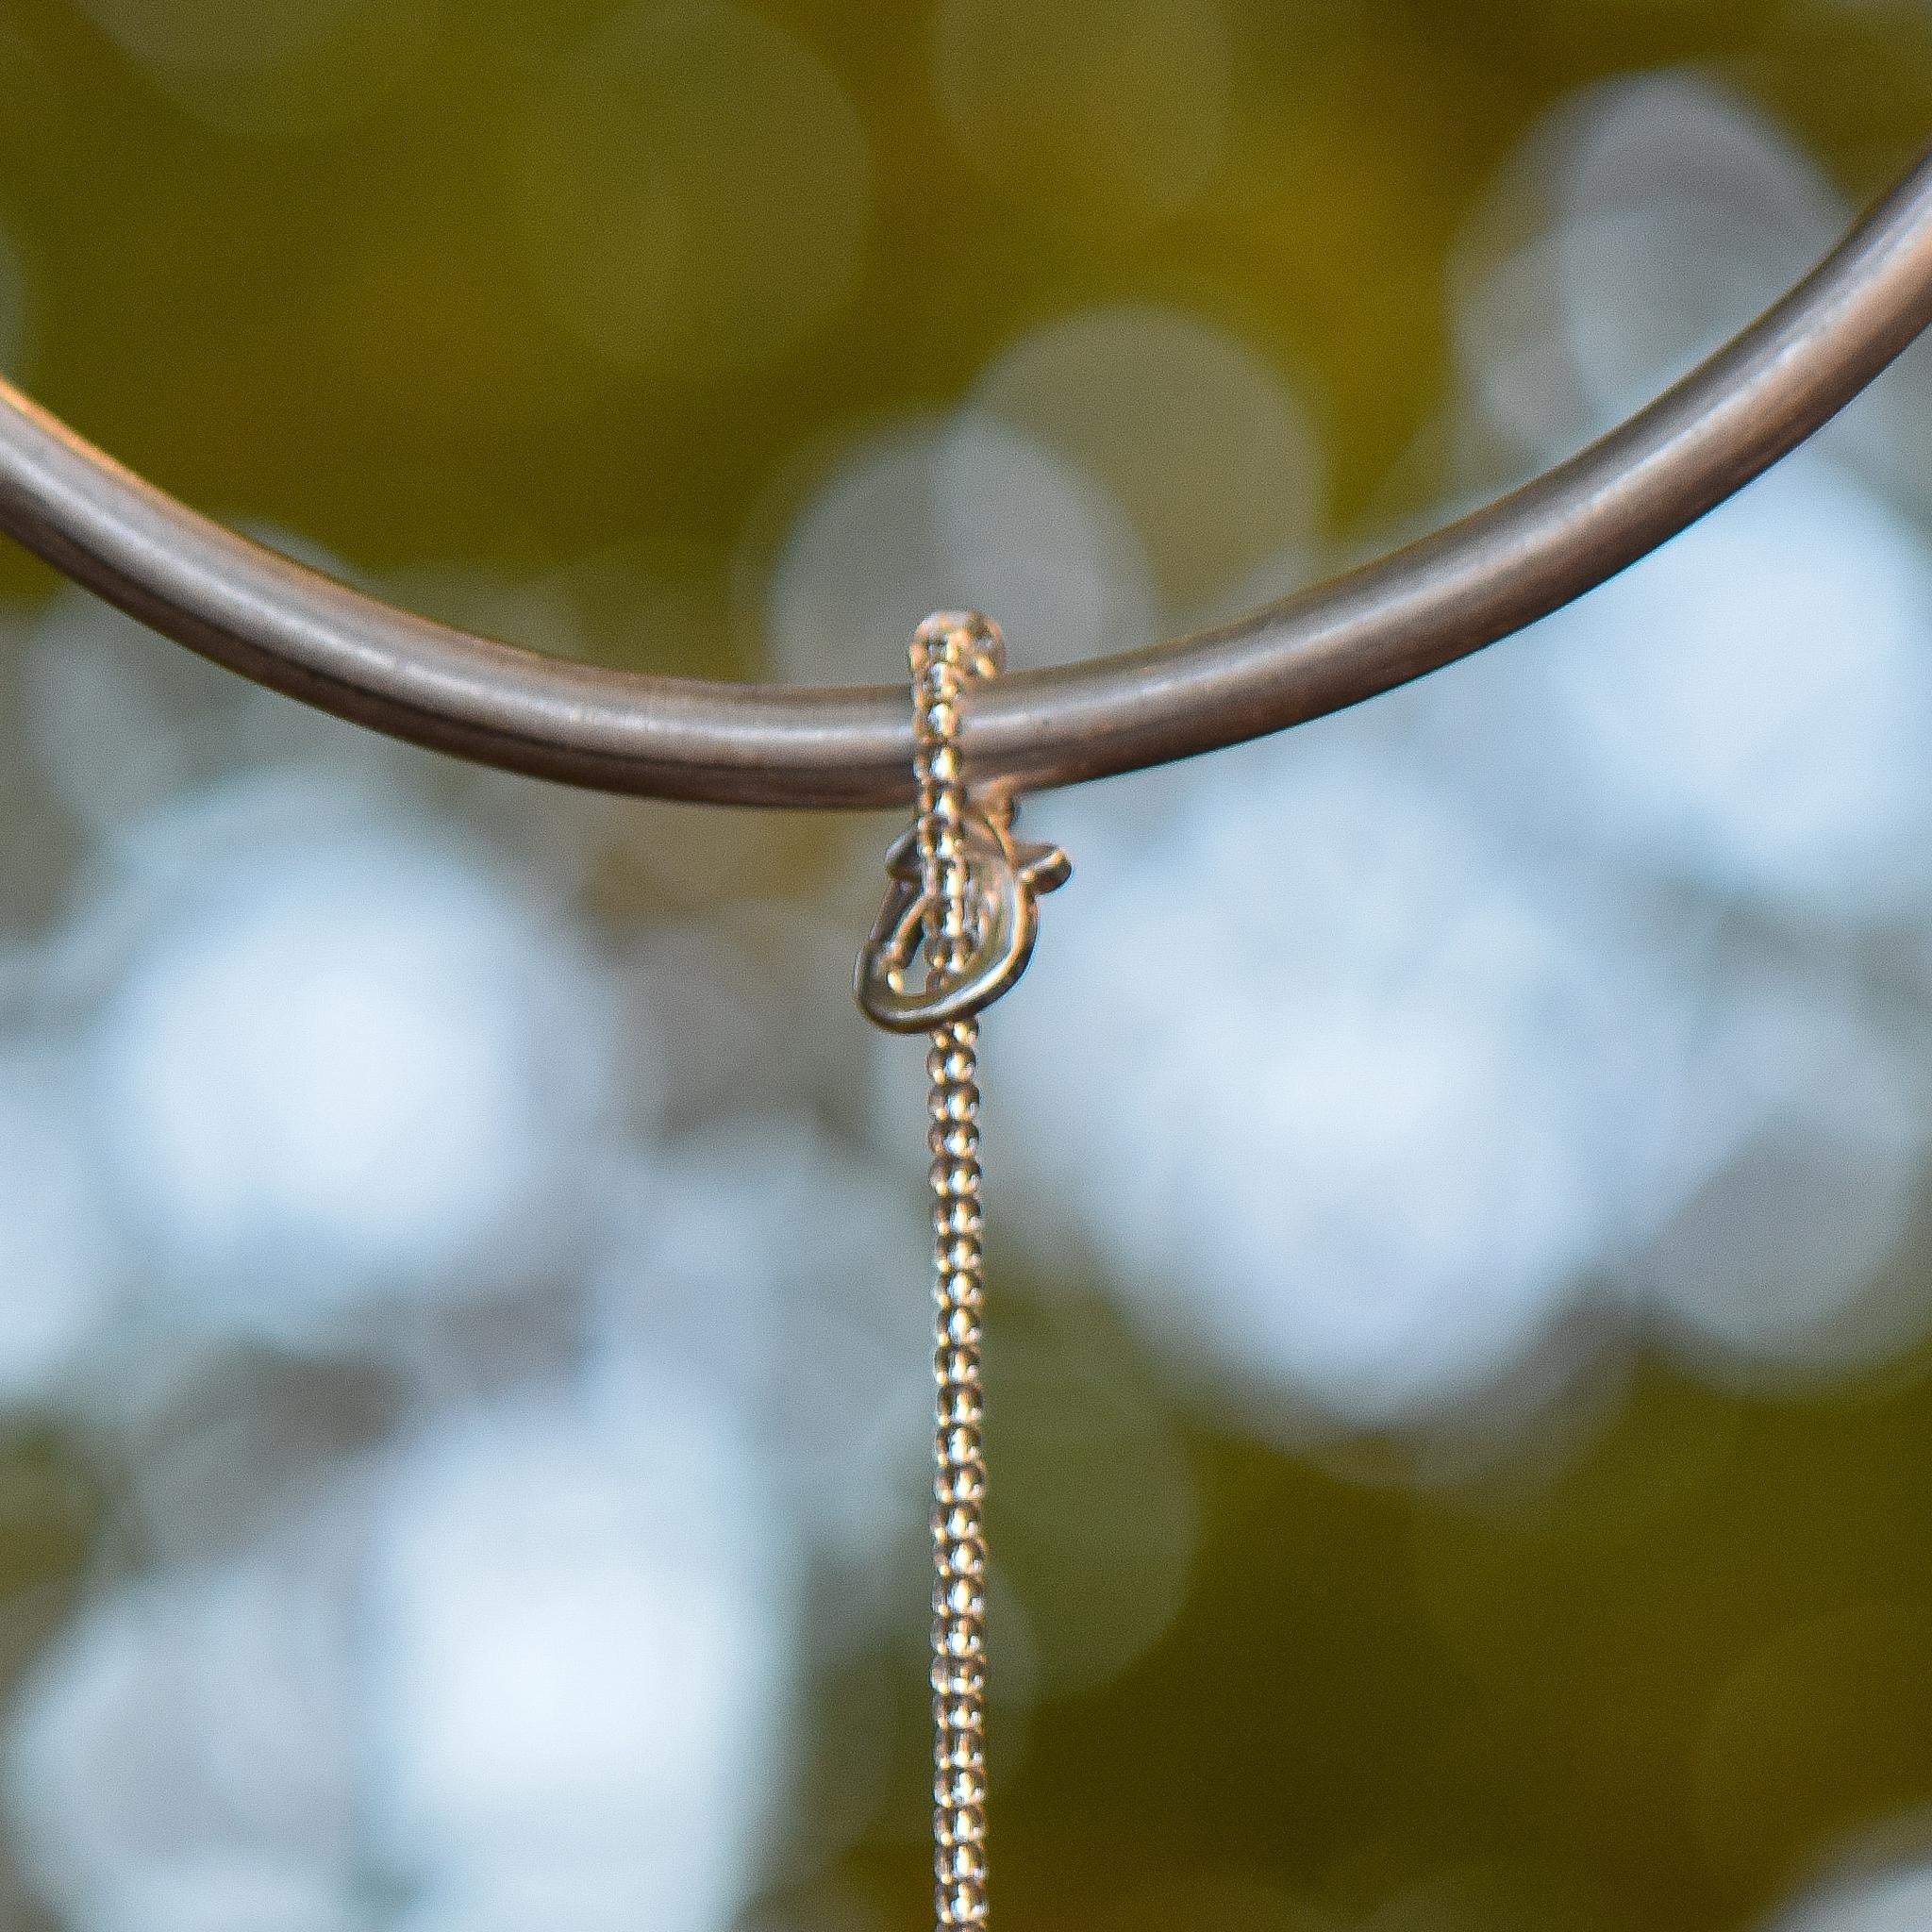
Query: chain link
x,y
959,1531
962,893
947,653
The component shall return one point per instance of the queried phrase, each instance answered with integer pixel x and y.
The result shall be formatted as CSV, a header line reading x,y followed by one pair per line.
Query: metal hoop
x,y
1376,628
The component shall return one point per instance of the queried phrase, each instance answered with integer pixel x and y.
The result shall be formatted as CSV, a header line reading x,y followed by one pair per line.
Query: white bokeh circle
x,y
1644,222
1349,1150
1193,432
937,514
1750,704
1894,1901
63,1268
695,189
581,1668
343,1059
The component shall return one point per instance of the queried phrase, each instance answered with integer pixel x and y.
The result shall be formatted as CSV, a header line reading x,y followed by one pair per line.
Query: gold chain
x,y
963,892
945,658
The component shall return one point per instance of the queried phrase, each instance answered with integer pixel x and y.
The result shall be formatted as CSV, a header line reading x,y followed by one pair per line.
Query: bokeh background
x,y
1462,1426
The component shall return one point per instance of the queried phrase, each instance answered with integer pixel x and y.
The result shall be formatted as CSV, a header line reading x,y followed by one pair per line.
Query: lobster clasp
x,y
1007,877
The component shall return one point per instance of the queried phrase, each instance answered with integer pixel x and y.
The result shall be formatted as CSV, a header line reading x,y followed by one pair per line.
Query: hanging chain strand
x,y
962,892
958,1533
945,655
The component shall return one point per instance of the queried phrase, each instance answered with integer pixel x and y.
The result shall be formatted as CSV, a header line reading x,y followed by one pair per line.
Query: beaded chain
x,y
964,894
944,659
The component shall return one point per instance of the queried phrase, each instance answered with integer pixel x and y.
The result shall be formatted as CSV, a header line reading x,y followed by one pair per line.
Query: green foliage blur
x,y
1648,1685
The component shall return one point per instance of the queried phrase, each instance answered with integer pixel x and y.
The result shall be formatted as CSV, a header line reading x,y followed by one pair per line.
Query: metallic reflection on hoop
x,y
1323,648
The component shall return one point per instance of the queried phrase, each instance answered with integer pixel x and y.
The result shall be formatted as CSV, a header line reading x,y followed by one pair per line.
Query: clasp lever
x,y
1008,876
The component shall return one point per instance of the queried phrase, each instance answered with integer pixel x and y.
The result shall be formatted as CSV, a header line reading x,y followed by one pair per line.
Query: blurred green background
x,y
406,279
313,288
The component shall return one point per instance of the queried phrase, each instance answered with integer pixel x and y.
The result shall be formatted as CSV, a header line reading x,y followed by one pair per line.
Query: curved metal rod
x,y
1476,581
